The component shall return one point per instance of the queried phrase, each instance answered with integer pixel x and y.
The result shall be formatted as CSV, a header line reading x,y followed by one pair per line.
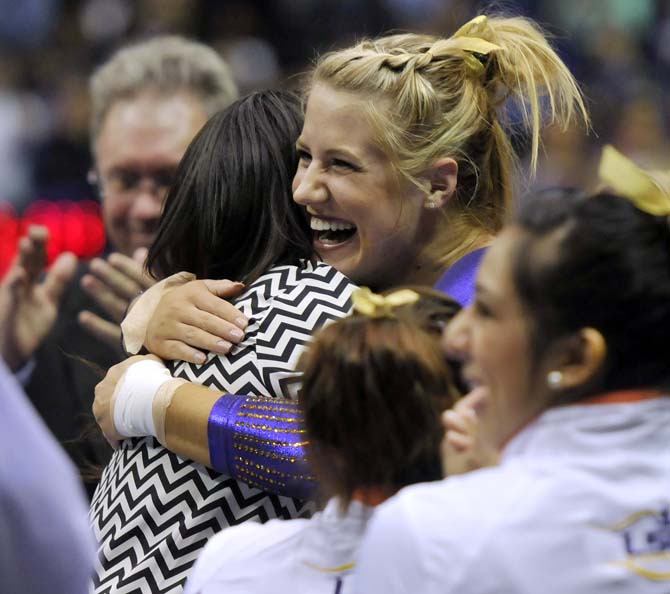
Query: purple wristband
x,y
260,441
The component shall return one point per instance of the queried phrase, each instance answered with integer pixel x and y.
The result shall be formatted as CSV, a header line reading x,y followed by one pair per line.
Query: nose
x,y
147,204
456,336
308,186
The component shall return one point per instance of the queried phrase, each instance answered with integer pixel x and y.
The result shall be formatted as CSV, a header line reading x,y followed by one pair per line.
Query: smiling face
x,y
140,144
367,221
493,338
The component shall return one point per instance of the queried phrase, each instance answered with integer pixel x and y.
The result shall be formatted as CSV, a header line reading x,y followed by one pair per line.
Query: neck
x,y
450,241
372,496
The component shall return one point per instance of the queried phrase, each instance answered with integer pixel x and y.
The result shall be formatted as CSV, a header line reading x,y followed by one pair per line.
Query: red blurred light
x,y
9,236
73,227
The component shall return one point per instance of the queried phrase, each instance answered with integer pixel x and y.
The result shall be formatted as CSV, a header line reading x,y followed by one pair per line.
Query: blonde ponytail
x,y
431,98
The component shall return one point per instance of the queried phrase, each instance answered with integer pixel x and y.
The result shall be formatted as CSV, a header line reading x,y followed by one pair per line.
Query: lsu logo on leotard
x,y
646,541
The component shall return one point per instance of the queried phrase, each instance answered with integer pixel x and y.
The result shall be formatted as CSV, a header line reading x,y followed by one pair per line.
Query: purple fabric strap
x,y
261,442
459,281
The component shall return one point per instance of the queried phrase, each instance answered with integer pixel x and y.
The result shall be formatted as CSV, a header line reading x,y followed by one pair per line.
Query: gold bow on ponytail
x,y
373,305
630,181
467,41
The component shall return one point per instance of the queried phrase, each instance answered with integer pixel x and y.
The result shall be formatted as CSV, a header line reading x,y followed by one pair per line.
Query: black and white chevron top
x,y
153,510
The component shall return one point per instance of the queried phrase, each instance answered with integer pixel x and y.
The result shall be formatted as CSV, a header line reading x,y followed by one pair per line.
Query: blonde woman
x,y
406,173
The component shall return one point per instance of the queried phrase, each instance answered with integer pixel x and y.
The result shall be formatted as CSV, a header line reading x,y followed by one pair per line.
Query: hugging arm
x,y
256,440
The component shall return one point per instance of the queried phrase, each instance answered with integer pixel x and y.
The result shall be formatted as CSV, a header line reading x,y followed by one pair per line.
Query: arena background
x,y
618,49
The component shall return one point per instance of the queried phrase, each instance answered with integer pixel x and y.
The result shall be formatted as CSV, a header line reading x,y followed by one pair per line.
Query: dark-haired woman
x,y
153,510
568,336
374,386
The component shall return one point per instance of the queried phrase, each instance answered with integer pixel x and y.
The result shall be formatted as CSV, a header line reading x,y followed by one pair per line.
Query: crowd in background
x,y
619,50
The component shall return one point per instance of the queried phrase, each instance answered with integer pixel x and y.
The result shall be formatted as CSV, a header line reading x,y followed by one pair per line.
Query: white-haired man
x,y
148,102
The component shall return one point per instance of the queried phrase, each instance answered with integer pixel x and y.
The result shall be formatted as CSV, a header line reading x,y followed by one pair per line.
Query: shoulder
x,y
42,505
241,550
299,298
291,285
309,276
428,536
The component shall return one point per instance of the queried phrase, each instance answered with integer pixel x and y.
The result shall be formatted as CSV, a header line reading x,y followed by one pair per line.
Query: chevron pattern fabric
x,y
153,510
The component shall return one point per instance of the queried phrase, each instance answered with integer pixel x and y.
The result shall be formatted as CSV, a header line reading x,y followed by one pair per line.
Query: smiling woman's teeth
x,y
323,225
332,232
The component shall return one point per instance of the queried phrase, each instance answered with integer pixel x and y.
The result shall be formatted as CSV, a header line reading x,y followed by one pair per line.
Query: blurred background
x,y
618,49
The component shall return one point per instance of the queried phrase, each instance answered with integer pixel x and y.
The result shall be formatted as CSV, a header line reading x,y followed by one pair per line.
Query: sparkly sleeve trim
x,y
260,441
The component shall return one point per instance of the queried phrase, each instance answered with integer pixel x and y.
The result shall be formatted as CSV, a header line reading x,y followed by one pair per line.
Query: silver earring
x,y
555,379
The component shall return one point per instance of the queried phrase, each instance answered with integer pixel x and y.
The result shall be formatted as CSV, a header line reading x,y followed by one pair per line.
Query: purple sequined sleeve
x,y
260,441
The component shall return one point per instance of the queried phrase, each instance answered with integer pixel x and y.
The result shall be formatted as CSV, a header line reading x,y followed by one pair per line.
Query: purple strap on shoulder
x,y
459,281
260,441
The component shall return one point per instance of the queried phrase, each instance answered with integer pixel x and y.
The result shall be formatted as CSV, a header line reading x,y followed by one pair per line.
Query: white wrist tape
x,y
133,414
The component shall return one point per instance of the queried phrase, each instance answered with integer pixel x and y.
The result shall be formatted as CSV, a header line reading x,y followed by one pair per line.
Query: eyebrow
x,y
337,151
483,290
346,153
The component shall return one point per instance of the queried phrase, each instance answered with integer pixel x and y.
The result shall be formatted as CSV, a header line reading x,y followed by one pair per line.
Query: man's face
x,y
139,146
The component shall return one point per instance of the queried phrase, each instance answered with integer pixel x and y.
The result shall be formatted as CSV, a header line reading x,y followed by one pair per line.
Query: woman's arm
x,y
257,440
179,315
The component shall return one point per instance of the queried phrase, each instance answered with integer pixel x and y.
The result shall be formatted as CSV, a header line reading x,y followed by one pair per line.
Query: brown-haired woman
x,y
374,385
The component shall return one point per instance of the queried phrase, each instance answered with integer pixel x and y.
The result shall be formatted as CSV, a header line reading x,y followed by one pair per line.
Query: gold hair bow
x,y
379,306
466,40
630,181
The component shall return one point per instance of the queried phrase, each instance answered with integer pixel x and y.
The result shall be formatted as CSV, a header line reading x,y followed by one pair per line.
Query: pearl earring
x,y
433,200
554,379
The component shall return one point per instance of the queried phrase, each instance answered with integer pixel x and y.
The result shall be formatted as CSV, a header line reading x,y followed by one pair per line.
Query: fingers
x,y
133,268
14,280
140,255
10,294
32,252
107,332
114,305
213,328
180,351
476,400
463,422
460,442
117,280
59,276
114,443
190,319
211,301
224,288
38,233
104,401
199,338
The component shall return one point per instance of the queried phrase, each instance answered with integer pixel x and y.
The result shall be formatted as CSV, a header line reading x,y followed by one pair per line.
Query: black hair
x,y
230,211
597,261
